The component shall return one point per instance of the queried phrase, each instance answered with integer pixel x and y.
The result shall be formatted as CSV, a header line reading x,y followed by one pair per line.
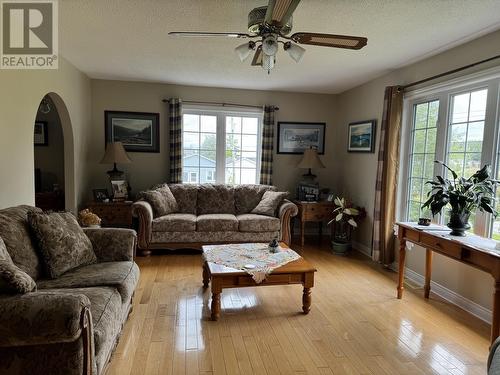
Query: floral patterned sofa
x,y
211,213
70,324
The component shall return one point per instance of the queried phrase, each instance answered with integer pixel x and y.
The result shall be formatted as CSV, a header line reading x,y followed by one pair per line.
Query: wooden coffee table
x,y
298,271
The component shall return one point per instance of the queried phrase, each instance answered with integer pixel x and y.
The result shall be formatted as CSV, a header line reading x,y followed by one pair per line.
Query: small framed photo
x,y
41,137
137,131
101,195
120,191
295,137
362,136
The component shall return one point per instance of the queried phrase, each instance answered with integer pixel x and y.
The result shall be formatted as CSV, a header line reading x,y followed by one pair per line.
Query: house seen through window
x,y
221,146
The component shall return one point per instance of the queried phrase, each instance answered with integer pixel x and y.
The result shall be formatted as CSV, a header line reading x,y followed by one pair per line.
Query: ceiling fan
x,y
270,25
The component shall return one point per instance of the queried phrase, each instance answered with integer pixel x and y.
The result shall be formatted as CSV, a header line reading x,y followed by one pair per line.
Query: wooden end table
x,y
298,271
113,214
313,212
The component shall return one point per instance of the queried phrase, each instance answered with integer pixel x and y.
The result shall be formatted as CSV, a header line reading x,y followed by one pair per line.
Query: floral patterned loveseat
x,y
70,324
212,213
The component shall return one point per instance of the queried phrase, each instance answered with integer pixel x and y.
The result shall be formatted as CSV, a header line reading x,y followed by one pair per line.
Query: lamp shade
x,y
115,153
310,159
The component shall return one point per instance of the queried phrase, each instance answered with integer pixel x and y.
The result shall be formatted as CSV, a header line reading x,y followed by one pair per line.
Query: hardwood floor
x,y
356,325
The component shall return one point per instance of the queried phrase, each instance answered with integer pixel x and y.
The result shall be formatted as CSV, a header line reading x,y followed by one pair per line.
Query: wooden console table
x,y
472,250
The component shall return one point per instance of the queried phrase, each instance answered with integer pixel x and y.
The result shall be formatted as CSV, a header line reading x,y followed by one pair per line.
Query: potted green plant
x,y
345,221
463,196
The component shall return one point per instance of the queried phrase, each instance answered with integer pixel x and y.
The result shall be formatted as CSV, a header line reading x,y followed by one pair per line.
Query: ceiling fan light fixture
x,y
270,45
244,50
268,62
294,50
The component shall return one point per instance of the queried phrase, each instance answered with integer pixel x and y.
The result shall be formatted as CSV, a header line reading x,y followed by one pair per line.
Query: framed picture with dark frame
x,y
137,131
361,136
295,137
100,195
41,134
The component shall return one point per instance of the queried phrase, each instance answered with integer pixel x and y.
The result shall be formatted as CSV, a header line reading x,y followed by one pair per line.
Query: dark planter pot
x,y
459,223
340,248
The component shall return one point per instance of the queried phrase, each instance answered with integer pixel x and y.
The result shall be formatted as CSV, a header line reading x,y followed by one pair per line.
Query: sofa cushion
x,y
161,200
216,223
15,231
269,203
215,199
185,196
13,280
121,275
63,243
247,197
175,223
106,309
4,254
258,223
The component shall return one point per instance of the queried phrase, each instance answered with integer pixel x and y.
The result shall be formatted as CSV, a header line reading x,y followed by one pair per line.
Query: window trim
x,y
443,92
221,112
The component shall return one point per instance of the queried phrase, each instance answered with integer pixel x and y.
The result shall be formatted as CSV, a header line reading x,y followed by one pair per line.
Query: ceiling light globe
x,y
268,62
244,50
295,51
270,45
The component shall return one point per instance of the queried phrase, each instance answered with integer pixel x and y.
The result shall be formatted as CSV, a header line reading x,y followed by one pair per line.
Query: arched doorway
x,y
53,155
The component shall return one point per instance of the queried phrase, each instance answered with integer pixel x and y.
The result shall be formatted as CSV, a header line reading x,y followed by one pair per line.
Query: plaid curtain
x,y
387,175
175,124
266,165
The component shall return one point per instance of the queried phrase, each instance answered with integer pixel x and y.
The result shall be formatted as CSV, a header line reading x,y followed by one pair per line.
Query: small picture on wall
x,y
41,137
120,191
295,137
362,136
137,131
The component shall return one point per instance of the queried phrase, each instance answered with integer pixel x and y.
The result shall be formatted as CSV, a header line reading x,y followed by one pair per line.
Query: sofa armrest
x,y
143,211
41,318
286,211
112,244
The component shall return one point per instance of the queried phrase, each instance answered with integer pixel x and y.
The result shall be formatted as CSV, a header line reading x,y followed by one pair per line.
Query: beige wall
x,y
357,172
151,168
20,94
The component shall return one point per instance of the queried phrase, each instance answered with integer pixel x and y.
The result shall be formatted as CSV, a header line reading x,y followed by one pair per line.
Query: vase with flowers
x,y
346,219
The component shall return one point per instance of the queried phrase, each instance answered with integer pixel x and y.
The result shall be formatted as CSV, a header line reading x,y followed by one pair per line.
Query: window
x,y
457,123
221,146
425,116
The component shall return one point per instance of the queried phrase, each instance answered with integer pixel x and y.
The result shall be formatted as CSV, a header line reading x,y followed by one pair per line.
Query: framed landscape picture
x,y
138,131
41,137
295,137
362,136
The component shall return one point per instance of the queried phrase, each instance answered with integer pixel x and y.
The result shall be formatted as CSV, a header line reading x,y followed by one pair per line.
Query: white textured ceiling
x,y
127,39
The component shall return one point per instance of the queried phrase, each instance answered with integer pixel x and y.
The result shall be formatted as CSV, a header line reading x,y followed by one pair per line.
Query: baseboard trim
x,y
363,249
449,295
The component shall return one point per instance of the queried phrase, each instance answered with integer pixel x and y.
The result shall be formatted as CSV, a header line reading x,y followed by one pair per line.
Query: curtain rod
x,y
449,72
221,104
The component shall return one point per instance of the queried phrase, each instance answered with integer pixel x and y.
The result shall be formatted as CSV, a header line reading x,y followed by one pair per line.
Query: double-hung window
x,y
220,145
455,122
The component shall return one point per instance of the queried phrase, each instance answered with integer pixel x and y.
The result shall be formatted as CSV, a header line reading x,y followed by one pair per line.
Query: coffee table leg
x,y
215,306
206,277
306,300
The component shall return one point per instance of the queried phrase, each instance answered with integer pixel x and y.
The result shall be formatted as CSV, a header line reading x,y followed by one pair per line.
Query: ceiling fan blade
x,y
279,11
330,40
257,57
205,35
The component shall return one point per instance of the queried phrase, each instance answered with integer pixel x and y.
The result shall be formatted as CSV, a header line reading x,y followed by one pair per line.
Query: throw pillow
x,y
269,203
161,200
62,242
14,280
4,254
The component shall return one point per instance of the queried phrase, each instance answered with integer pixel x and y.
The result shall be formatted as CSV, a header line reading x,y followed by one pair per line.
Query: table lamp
x,y
115,153
310,160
